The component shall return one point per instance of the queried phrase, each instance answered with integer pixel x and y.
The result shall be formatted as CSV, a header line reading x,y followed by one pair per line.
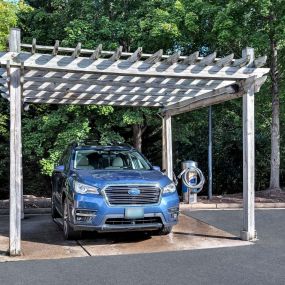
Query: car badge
x,y
134,191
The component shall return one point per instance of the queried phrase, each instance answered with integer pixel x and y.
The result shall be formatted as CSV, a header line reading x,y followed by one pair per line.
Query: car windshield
x,y
110,160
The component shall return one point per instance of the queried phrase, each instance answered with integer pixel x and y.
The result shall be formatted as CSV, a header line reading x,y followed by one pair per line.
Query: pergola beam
x,y
136,55
117,54
49,88
34,76
124,67
55,48
97,53
191,59
67,101
105,96
89,52
76,51
225,61
34,44
172,58
240,62
125,83
212,97
155,57
220,91
259,62
207,60
199,103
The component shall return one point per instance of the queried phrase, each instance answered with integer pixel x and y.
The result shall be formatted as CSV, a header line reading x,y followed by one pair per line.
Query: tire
x,y
68,232
166,230
54,212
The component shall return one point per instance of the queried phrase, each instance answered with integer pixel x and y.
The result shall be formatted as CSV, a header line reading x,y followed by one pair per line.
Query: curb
x,y
30,204
29,211
229,206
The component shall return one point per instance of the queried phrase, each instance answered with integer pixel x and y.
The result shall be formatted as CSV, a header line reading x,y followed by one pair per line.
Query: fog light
x,y
83,215
174,212
84,219
174,216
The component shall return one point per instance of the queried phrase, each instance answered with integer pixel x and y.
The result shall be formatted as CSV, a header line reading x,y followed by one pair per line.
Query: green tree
x,y
8,19
263,27
173,25
150,24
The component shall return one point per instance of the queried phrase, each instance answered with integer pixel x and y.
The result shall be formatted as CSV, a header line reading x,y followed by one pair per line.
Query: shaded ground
x,y
42,238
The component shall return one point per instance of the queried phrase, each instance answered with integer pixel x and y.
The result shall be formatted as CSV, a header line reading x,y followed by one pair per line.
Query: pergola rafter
x,y
208,73
173,83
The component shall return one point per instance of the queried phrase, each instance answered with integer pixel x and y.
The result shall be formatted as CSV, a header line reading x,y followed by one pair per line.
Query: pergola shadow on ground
x,y
173,83
42,238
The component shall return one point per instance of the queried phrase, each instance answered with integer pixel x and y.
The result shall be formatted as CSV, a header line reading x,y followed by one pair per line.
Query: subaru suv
x,y
111,188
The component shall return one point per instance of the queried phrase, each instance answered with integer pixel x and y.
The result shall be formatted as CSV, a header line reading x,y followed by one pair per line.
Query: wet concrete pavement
x,y
42,238
262,263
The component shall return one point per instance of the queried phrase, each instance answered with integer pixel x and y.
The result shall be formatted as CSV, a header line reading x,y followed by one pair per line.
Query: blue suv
x,y
111,188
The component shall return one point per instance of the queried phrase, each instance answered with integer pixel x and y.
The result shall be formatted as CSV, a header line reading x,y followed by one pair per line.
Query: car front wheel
x,y
54,213
166,230
69,233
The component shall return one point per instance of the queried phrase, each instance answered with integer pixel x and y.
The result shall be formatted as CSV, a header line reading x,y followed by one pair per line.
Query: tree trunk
x,y
138,131
275,124
137,137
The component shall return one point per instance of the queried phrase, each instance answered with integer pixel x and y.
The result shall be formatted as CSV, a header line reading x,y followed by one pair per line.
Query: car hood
x,y
101,178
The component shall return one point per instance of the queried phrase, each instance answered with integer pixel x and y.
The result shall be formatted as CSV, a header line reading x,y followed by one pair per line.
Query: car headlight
x,y
170,188
84,189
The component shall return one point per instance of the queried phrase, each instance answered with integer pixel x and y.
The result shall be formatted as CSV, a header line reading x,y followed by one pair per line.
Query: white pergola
x,y
174,83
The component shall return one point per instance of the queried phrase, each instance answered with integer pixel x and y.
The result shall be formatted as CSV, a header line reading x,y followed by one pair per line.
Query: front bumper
x,y
163,214
104,227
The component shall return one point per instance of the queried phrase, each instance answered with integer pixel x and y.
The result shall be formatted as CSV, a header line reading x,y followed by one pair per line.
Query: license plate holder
x,y
134,213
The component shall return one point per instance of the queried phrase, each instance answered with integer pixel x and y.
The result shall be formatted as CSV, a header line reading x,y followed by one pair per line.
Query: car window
x,y
109,159
65,158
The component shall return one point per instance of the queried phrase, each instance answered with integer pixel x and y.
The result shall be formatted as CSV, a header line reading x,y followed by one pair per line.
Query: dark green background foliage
x,y
186,25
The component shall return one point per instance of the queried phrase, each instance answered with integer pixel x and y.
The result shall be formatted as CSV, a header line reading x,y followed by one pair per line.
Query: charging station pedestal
x,y
188,197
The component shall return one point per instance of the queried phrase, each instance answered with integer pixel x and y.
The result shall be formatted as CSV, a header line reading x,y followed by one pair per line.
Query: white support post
x,y
167,162
248,231
15,150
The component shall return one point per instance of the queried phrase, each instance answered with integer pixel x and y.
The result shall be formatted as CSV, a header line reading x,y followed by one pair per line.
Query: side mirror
x,y
59,168
157,168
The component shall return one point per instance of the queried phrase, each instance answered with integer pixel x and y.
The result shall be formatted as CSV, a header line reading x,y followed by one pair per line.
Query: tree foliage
x,y
225,26
8,19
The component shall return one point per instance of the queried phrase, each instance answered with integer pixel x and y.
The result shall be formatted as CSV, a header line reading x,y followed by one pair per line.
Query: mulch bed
x,y
30,201
266,196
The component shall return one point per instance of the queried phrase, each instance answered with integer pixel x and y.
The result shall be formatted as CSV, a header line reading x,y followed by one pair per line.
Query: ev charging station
x,y
190,186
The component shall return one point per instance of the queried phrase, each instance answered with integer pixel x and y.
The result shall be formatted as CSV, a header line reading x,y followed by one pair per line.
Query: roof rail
x,y
96,142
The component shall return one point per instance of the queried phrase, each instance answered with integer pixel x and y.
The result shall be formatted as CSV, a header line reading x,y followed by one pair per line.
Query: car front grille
x,y
143,221
123,194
